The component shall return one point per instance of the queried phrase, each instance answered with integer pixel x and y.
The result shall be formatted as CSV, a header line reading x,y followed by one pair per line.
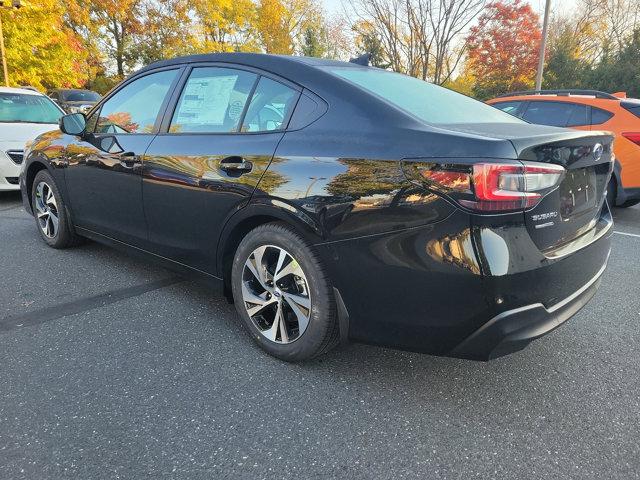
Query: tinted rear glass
x,y
599,116
81,96
578,116
426,101
556,114
633,107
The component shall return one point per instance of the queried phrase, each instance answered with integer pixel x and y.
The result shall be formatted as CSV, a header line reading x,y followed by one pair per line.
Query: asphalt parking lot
x,y
113,368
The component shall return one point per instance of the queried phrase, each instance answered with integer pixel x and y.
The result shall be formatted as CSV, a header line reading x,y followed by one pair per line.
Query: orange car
x,y
589,110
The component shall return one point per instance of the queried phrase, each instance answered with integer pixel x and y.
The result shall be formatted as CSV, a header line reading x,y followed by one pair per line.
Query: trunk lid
x,y
574,208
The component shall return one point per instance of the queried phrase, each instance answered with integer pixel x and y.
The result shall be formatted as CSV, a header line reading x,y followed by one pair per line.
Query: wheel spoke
x,y
284,335
258,301
272,332
303,320
51,201
297,299
256,268
54,223
282,256
290,268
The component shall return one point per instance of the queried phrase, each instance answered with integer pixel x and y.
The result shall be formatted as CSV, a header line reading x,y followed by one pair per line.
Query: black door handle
x,y
236,165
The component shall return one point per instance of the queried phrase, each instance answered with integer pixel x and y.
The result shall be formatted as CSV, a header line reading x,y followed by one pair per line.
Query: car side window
x,y
270,106
212,101
555,114
578,117
508,107
599,116
135,107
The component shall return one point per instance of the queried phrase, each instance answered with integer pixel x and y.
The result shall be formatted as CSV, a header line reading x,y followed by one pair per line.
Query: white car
x,y
24,114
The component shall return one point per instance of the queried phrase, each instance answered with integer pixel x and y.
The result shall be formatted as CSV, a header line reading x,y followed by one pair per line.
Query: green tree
x,y
565,68
314,42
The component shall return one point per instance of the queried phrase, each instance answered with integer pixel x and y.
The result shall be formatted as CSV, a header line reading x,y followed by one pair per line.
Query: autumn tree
x,y
41,50
168,31
272,29
503,48
281,24
225,25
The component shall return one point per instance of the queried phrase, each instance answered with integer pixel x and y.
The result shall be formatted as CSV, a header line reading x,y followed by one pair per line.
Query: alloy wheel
x,y
276,294
47,210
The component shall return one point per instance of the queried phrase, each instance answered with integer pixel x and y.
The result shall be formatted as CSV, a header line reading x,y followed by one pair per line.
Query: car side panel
x,y
188,197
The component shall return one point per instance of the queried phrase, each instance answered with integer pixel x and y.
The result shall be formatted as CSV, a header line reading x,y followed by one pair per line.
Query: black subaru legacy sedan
x,y
333,201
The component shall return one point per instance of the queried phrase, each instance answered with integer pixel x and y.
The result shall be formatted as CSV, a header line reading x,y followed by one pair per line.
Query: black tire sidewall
x,y
322,318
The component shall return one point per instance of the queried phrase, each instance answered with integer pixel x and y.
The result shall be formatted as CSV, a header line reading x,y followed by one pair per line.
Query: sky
x,y
335,6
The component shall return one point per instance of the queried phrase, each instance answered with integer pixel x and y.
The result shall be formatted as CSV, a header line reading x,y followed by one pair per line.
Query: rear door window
x,y
213,100
270,106
556,114
579,116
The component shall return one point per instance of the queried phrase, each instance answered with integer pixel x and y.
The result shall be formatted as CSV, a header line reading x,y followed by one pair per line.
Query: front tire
x,y
50,213
282,293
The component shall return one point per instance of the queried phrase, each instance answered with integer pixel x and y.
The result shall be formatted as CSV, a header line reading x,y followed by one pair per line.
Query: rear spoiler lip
x,y
524,146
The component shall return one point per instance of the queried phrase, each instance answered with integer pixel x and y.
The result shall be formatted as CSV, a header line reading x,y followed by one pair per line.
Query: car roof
x,y
24,91
257,60
305,71
550,97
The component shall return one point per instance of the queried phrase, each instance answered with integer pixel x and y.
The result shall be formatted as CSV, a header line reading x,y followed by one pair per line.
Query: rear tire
x,y
282,293
51,214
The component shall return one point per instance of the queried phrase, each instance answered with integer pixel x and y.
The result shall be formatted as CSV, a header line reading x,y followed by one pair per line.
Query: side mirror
x,y
73,124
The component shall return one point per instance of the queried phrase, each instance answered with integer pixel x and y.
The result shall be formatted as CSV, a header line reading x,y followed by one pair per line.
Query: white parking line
x,y
627,234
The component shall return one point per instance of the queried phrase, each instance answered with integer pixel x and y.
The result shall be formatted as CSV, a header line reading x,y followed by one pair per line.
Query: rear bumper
x,y
452,288
513,330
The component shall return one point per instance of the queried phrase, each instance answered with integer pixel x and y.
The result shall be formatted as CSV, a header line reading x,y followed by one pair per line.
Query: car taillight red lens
x,y
509,186
491,187
633,136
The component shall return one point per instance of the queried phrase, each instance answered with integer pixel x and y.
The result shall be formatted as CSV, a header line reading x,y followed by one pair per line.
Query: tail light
x,y
488,187
633,136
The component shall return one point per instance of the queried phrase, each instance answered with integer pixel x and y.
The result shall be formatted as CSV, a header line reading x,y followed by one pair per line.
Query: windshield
x,y
81,96
24,108
430,103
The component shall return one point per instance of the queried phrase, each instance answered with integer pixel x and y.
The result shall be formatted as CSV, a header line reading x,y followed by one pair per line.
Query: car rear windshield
x,y
428,102
24,108
81,96
633,106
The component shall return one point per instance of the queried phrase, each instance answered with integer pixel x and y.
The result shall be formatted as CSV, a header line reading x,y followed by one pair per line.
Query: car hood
x,y
15,135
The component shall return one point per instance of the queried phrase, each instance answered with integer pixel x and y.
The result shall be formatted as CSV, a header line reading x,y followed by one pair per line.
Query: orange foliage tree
x,y
503,48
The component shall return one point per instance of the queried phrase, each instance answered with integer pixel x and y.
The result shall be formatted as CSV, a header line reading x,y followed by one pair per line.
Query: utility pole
x,y
543,44
6,4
